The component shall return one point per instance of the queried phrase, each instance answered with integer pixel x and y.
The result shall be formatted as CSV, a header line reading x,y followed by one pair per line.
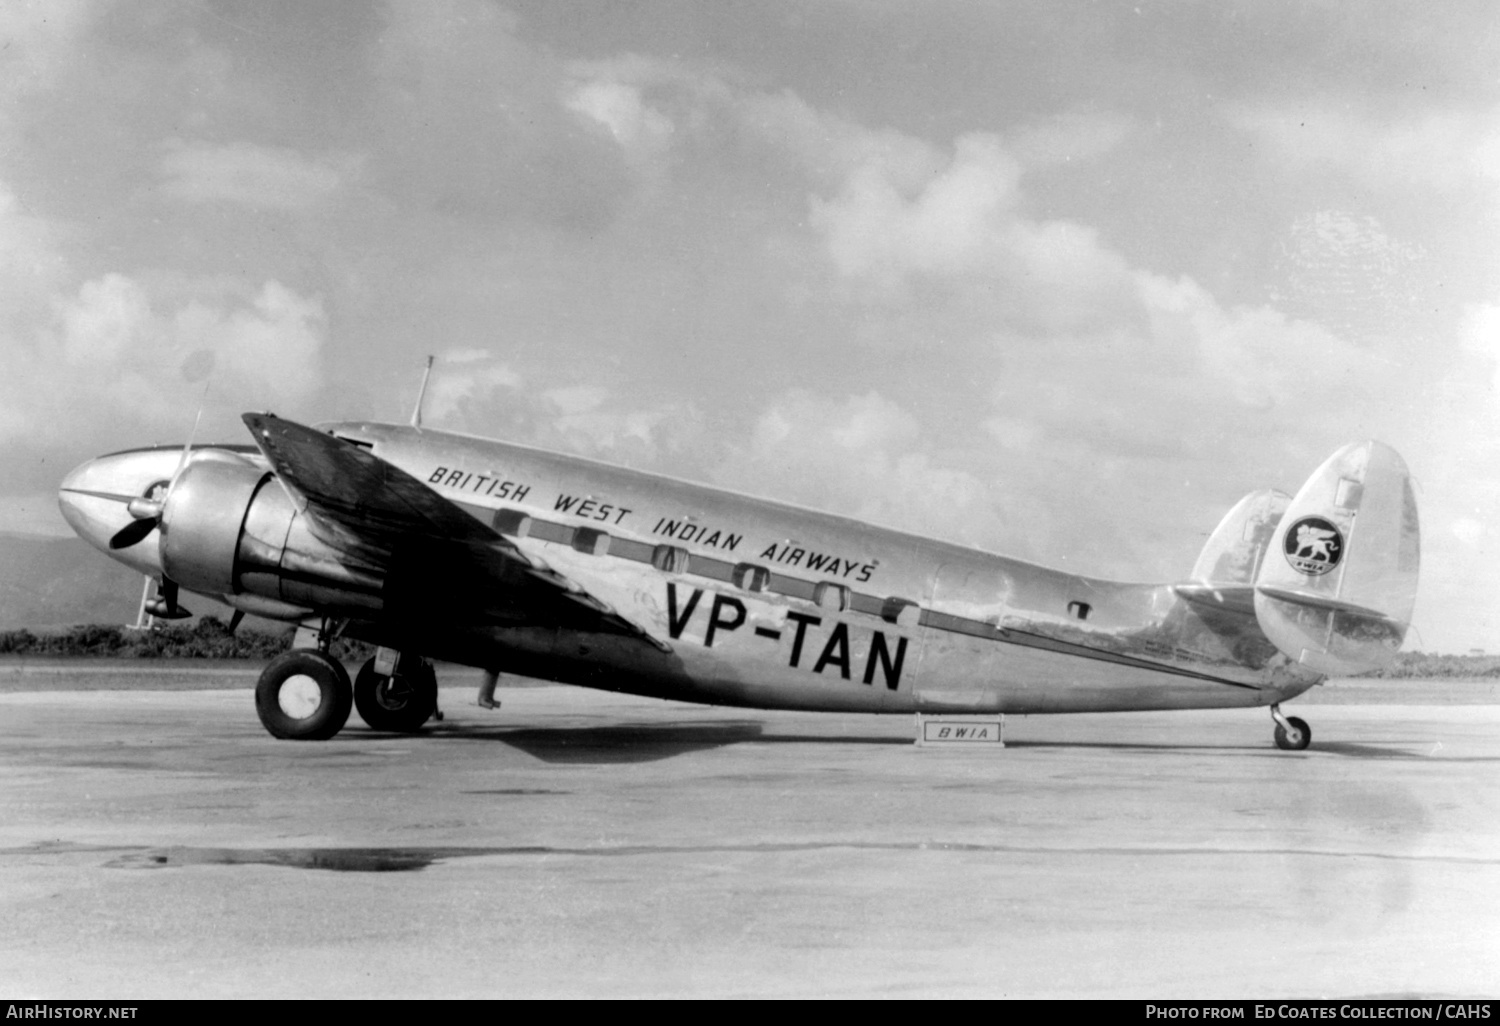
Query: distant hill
x,y
50,582
60,582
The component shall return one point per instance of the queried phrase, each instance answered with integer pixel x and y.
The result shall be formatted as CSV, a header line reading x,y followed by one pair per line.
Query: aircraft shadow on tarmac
x,y
652,742
1375,752
618,743
642,742
1350,749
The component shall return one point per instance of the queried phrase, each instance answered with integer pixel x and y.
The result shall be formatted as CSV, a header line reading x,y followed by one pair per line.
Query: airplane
x,y
433,545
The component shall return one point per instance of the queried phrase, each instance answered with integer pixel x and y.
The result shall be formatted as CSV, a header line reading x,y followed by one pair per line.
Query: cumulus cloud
x,y
473,391
473,122
695,103
619,109
108,360
463,379
1443,149
829,147
105,358
860,456
1467,530
1346,272
1479,333
31,263
112,357
1072,136
964,227
242,172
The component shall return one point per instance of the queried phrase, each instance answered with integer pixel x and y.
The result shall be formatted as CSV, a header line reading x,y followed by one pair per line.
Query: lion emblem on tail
x,y
1313,546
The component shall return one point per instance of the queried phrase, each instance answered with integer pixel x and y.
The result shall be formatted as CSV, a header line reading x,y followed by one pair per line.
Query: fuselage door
x,y
959,630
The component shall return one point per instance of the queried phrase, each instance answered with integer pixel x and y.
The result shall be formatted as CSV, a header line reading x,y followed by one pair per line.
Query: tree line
x,y
206,638
210,638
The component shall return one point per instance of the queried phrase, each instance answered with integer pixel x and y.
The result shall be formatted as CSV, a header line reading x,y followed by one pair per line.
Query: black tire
x,y
292,710
1293,742
402,702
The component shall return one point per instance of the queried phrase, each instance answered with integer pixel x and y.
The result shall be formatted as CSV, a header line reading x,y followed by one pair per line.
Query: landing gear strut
x,y
401,699
1292,734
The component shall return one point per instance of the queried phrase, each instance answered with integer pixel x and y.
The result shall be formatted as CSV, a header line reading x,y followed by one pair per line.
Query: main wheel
x,y
401,702
1296,739
303,695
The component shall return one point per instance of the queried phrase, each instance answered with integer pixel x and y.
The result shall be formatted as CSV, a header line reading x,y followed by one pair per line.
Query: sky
x,y
1062,280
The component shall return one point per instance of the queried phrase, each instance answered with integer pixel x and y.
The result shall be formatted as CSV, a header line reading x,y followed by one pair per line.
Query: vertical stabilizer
x,y
1238,545
1337,585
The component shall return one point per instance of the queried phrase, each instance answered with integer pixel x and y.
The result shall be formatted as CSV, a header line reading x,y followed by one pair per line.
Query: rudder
x,y
1336,589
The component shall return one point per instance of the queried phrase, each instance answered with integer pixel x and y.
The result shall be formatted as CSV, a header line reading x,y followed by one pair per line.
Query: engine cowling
x,y
203,518
228,528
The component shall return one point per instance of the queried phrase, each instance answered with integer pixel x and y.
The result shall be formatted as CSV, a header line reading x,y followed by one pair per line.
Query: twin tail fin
x,y
1330,574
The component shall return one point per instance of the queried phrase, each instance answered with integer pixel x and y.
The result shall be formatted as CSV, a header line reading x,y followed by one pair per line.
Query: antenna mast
x,y
416,414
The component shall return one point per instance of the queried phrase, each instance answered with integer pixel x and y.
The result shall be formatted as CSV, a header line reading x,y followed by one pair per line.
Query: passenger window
x,y
750,577
595,543
833,597
669,559
900,611
512,522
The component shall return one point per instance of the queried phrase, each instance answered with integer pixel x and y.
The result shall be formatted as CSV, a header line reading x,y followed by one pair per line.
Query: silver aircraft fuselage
x,y
767,604
749,601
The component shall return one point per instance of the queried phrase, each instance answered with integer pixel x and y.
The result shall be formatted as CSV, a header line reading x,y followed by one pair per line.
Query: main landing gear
x,y
306,695
1292,734
399,697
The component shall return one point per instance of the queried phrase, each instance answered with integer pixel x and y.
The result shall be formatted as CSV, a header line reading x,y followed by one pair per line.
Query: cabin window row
x,y
673,559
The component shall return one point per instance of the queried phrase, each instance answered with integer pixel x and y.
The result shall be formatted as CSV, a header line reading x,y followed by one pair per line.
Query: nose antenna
x,y
147,509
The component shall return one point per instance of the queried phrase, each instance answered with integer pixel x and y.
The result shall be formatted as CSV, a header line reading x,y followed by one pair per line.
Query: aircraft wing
x,y
358,491
363,505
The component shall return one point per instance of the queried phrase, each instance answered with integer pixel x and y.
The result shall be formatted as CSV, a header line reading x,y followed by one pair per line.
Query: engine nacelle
x,y
228,528
203,518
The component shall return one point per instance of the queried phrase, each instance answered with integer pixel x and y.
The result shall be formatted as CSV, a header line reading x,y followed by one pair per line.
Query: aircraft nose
x,y
87,508
94,499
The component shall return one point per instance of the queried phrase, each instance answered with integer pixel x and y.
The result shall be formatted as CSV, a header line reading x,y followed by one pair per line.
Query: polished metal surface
x,y
202,517
571,570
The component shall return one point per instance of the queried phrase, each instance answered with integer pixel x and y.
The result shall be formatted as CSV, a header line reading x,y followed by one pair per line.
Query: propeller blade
x,y
132,533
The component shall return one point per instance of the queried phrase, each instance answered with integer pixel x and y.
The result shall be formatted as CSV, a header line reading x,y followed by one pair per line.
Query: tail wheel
x,y
303,695
1295,736
402,701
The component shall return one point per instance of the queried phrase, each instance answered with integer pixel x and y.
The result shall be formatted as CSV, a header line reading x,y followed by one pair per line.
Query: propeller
x,y
147,513
147,509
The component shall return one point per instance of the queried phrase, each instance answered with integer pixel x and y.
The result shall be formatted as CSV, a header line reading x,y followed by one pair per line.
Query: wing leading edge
x,y
361,504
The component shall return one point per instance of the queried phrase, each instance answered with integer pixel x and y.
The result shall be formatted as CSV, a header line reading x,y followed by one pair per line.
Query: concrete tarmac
x,y
158,843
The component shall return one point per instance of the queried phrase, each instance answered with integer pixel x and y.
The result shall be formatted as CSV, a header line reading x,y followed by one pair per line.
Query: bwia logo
x,y
1313,546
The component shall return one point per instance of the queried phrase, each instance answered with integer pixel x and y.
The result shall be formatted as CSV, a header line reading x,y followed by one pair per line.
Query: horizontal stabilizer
x,y
1314,601
1239,598
1336,588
